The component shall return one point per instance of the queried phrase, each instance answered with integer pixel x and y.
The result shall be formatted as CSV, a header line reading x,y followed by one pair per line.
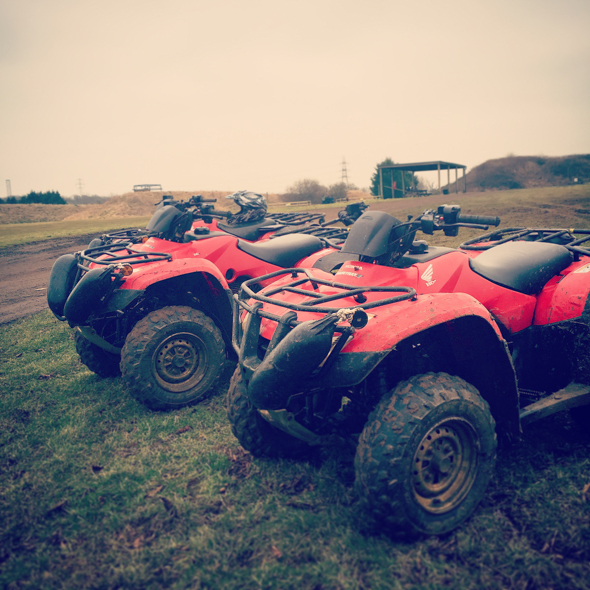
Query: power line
x,y
344,172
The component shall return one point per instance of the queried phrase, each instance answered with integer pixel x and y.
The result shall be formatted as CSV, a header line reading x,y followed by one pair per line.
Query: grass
x,y
24,233
96,491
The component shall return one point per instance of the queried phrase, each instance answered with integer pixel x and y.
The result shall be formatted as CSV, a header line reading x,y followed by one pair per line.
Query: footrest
x,y
572,396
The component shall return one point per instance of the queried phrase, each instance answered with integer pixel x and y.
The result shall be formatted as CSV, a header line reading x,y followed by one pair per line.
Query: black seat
x,y
285,251
249,231
522,266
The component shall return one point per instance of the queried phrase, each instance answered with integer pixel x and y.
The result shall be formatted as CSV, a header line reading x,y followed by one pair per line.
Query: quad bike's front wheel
x,y
103,363
173,357
426,455
253,432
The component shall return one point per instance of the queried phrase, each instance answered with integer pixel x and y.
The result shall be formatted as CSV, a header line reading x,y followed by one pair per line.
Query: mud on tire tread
x,y
253,432
137,365
105,364
388,444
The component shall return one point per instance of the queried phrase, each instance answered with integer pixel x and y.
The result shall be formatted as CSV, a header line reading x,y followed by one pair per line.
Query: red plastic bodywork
x,y
446,289
218,256
565,296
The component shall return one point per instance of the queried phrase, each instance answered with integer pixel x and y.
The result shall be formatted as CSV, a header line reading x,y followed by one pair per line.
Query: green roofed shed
x,y
437,165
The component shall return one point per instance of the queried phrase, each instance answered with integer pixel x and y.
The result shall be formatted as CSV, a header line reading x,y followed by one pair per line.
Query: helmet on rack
x,y
252,207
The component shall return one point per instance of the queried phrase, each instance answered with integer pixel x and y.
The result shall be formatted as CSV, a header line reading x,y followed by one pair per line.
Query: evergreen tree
x,y
391,178
46,198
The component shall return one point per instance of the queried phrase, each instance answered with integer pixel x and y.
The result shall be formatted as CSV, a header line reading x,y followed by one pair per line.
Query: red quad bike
x,y
159,309
173,218
419,355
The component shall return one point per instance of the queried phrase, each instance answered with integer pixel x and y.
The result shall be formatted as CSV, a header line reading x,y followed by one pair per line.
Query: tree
x,y
46,198
391,178
338,190
306,190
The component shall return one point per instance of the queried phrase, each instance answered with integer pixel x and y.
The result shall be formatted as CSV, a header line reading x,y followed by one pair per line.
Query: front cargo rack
x,y
569,238
125,235
335,234
316,304
117,254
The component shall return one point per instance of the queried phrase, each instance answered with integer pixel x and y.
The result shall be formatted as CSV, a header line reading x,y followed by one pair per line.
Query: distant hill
x,y
515,172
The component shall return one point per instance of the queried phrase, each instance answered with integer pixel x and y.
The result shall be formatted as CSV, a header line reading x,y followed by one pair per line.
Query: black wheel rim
x,y
180,362
445,466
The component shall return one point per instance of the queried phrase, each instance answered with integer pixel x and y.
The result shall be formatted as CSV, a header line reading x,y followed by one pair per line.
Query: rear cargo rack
x,y
295,218
569,238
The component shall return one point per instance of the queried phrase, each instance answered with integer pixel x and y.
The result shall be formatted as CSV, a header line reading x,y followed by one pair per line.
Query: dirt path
x,y
24,274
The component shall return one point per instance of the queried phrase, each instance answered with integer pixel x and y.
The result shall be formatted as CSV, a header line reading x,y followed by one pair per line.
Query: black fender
x,y
61,283
89,295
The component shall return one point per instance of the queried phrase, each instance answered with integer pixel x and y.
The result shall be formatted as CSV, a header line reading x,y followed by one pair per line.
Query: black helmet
x,y
248,200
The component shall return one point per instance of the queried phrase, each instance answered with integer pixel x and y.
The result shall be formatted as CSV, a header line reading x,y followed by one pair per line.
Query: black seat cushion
x,y
249,231
285,251
522,266
334,260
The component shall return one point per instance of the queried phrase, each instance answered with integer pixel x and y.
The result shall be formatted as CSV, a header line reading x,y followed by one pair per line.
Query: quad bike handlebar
x,y
479,220
349,215
449,219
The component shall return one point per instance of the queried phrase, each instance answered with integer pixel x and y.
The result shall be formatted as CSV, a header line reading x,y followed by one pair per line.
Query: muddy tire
x,y
173,358
426,455
253,432
104,364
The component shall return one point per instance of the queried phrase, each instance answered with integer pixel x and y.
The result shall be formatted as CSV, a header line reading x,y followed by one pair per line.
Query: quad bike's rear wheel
x,y
173,358
426,455
103,363
253,432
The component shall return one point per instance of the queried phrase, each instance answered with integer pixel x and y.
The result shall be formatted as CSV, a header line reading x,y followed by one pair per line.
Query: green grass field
x,y
96,491
23,233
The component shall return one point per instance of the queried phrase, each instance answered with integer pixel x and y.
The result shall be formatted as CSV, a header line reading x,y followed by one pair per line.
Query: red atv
x,y
419,355
158,307
172,219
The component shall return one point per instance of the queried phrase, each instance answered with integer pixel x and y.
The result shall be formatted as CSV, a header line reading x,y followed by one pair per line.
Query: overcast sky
x,y
235,94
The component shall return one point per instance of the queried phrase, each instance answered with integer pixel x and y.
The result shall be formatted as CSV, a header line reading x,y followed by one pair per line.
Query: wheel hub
x,y
444,466
178,362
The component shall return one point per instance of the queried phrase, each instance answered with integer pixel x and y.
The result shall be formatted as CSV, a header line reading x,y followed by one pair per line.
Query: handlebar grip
x,y
478,219
211,213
